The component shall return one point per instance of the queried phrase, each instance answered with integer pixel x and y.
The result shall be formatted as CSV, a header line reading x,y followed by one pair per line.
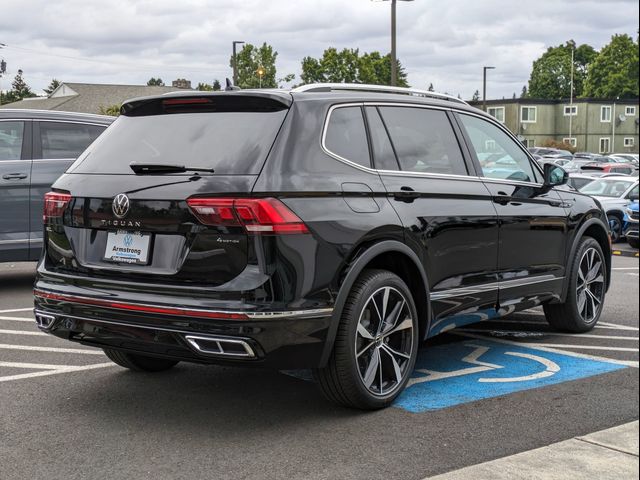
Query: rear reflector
x,y
55,205
258,216
183,312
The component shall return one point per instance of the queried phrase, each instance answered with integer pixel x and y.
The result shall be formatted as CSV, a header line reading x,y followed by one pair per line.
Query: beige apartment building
x,y
590,125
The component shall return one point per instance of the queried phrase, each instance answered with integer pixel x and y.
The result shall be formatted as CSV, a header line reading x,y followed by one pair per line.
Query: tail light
x,y
55,205
256,215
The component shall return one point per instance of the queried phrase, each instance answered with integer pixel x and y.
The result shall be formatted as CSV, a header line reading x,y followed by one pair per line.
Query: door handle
x,y
501,199
406,194
14,176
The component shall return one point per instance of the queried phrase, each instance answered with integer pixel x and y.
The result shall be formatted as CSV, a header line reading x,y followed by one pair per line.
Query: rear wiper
x,y
158,168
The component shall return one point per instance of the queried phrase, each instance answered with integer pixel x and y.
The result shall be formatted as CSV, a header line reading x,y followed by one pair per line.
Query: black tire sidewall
x,y
586,243
378,280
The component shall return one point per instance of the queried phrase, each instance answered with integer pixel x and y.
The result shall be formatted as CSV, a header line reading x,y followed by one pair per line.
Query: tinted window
x,y
66,140
229,142
11,140
499,155
423,140
347,137
383,156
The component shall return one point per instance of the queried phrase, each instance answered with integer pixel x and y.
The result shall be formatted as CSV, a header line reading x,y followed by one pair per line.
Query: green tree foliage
x,y
349,66
204,87
52,86
476,96
551,73
155,82
614,72
524,93
250,60
19,90
216,85
112,110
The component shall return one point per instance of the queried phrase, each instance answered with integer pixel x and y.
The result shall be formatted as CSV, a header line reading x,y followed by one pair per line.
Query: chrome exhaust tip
x,y
220,346
45,321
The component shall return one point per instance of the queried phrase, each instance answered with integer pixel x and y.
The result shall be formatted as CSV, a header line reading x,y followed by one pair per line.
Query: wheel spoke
x,y
598,279
594,271
396,367
593,297
372,369
582,300
385,303
394,316
391,351
359,354
405,324
364,333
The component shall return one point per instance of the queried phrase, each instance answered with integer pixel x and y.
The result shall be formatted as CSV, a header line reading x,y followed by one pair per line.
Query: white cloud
x,y
441,42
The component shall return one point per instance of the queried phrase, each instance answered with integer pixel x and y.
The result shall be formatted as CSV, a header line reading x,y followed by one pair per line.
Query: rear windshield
x,y
232,143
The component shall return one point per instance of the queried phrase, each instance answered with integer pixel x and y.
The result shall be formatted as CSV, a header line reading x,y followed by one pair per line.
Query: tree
x,y
524,93
112,110
216,85
52,86
614,72
204,87
551,73
349,66
252,59
155,82
19,91
476,96
430,88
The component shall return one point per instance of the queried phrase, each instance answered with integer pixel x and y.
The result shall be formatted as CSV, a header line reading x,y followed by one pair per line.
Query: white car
x,y
614,194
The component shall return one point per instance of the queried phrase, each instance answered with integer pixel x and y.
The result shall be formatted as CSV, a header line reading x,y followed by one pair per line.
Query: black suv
x,y
332,227
36,147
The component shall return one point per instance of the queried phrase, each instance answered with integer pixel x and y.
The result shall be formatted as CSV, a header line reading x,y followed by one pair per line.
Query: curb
x,y
625,253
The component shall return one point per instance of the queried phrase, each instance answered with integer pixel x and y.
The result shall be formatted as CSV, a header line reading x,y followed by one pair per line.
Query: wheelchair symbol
x,y
551,368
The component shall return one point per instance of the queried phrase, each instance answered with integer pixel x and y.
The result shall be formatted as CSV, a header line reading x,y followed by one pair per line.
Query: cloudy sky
x,y
444,42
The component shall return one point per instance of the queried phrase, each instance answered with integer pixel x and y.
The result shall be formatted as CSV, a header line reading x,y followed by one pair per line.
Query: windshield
x,y
231,143
606,188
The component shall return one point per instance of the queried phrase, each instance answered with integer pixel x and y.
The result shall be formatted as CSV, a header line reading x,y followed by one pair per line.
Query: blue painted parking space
x,y
456,373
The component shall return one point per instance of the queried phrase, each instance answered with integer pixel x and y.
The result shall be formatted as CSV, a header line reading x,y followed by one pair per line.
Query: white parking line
x,y
21,376
581,347
12,310
21,332
35,366
18,319
625,268
537,346
50,349
615,326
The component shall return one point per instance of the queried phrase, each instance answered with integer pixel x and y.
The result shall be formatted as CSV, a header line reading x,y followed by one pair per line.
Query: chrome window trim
x,y
397,173
9,242
77,122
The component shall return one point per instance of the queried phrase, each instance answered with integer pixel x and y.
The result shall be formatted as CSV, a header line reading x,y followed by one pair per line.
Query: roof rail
x,y
362,87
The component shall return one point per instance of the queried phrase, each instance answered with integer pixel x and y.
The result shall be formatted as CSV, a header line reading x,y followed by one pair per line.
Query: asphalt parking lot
x,y
478,393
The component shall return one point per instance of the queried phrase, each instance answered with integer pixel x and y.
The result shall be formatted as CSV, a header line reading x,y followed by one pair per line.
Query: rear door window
x,y
500,157
423,140
11,137
346,135
384,158
65,139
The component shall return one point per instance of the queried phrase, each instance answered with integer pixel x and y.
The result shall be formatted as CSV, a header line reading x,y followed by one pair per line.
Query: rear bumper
x,y
279,339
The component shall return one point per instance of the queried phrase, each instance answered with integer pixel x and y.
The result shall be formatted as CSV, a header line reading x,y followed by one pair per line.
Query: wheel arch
x,y
597,230
395,257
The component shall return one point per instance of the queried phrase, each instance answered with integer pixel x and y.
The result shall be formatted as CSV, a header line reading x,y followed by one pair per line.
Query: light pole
x,y
394,66
484,87
235,62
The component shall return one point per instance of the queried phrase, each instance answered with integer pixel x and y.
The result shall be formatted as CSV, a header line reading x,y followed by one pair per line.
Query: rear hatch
x,y
178,218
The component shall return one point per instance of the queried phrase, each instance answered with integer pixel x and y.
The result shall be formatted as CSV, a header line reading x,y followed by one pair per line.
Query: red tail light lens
x,y
55,205
257,215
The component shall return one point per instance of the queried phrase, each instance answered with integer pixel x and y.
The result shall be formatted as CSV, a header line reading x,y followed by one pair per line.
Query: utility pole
x,y
394,61
571,99
235,61
484,87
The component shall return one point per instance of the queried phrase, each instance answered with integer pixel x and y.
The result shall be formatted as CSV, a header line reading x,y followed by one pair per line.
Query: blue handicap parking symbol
x,y
452,374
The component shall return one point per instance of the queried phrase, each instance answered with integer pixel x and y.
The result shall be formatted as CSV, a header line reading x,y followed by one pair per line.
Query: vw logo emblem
x,y
120,205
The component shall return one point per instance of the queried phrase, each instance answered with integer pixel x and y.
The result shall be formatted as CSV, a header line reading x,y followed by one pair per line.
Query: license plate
x,y
127,247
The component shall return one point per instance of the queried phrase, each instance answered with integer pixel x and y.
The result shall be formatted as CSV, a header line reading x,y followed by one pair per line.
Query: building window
x,y
528,114
570,110
630,111
497,113
570,141
605,113
529,142
605,145
629,141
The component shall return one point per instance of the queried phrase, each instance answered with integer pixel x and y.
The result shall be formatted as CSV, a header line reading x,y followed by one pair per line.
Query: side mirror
x,y
633,197
554,175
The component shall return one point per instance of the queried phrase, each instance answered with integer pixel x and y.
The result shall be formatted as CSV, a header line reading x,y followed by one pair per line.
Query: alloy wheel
x,y
615,225
590,285
384,340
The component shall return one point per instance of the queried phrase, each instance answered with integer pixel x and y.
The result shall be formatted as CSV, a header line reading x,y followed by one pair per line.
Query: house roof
x,y
88,97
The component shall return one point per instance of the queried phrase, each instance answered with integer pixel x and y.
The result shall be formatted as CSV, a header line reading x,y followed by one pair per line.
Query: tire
x,y
615,225
139,363
633,242
373,378
587,287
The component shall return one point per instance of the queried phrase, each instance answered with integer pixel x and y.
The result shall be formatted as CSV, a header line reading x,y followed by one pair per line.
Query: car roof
x,y
28,114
